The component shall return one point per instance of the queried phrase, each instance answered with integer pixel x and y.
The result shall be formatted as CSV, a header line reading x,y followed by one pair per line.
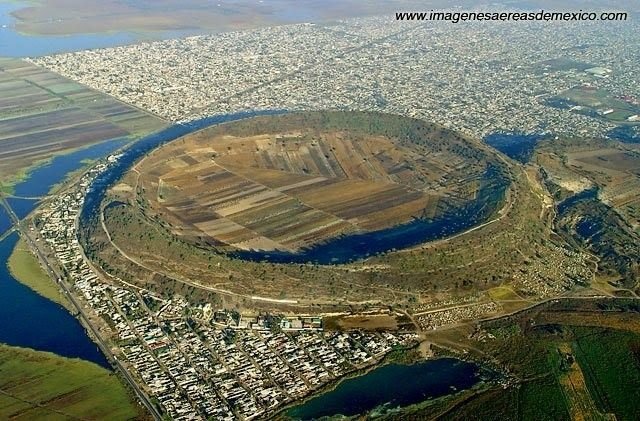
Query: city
x,y
195,362
374,64
350,217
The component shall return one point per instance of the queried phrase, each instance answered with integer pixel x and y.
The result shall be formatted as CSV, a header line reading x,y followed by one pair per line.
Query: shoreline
x,y
384,361
56,297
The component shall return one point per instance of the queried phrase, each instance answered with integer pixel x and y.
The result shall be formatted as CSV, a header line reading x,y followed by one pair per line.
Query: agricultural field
x,y
502,264
291,189
40,385
565,359
42,114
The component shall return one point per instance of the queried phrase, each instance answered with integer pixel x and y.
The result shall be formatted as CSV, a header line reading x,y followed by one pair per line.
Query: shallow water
x,y
15,44
518,146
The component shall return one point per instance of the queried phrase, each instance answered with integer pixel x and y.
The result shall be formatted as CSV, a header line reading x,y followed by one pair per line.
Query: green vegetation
x,y
610,360
39,385
598,103
402,355
542,399
24,266
573,359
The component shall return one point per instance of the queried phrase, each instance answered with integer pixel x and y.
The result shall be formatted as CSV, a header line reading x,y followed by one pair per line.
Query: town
x,y
195,362
376,63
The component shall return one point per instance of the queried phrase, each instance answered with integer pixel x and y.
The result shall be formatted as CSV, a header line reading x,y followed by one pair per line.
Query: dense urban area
x,y
473,77
187,360
197,362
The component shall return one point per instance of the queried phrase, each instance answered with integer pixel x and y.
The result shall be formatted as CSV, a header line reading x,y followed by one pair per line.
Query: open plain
x,y
43,113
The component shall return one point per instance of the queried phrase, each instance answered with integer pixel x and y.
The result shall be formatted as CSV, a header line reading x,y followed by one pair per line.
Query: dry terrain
x,y
293,189
614,167
498,266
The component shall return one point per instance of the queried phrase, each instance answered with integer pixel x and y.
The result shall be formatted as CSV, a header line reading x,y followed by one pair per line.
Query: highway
x,y
82,316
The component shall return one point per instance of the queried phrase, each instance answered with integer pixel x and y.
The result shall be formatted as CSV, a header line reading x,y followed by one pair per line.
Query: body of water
x,y
392,386
143,146
339,250
28,319
43,178
627,134
21,207
32,321
518,146
40,181
15,44
5,222
353,247
570,201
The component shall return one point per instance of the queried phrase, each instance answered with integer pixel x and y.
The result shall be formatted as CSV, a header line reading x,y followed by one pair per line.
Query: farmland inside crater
x,y
294,181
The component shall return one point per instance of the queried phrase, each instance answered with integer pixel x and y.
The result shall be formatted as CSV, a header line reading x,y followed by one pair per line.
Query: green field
x,y
599,100
563,362
26,269
40,385
610,360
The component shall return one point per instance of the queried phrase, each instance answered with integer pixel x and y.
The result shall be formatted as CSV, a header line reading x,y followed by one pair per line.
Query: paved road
x,y
84,319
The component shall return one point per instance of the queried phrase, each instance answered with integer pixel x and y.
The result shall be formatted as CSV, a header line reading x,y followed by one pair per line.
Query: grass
x,y
611,365
41,385
542,399
538,396
503,293
564,360
24,266
494,404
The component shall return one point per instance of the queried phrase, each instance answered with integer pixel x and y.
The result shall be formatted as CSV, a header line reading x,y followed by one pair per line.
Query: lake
x,y
40,181
21,207
570,201
130,155
626,134
15,44
32,321
518,146
336,251
5,222
28,319
393,386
